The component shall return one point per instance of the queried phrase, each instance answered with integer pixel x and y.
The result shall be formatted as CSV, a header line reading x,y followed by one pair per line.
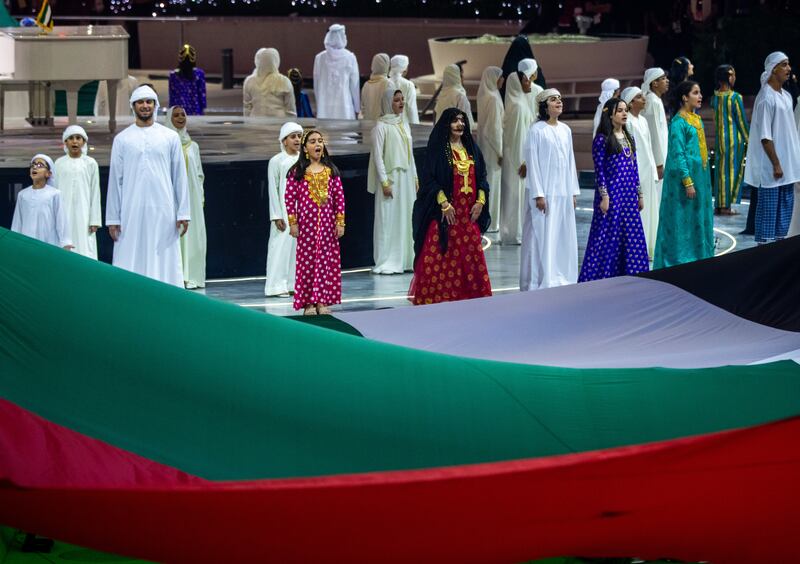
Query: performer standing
x,y
374,89
490,136
453,95
549,254
266,92
449,216
79,183
616,244
187,84
732,133
655,85
301,100
646,165
773,160
393,180
39,212
609,88
315,210
516,121
148,199
193,243
686,217
336,79
397,74
282,247
528,72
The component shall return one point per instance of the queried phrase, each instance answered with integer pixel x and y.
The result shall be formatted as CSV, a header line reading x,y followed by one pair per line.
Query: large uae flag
x,y
654,416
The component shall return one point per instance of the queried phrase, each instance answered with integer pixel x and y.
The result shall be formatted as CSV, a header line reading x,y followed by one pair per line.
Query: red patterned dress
x,y
460,273
316,205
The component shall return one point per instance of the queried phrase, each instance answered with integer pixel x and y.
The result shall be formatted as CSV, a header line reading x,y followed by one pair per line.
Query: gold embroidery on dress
x,y
318,185
695,121
463,163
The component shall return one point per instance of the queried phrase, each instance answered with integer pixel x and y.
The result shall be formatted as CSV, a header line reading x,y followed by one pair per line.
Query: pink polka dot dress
x,y
317,204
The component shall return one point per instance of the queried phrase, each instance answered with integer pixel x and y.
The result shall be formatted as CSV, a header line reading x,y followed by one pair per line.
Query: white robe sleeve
x,y
378,141
572,170
764,114
95,214
180,183
201,175
247,98
412,113
533,177
115,179
289,103
62,222
656,137
16,223
413,163
354,86
317,81
276,206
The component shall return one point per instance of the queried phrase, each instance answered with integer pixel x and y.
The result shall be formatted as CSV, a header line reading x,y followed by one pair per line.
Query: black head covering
x,y
437,174
520,49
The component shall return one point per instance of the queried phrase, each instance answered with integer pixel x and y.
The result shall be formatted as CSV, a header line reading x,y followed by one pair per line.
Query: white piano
x,y
64,59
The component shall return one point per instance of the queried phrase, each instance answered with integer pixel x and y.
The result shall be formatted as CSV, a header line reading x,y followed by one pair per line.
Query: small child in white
x,y
79,183
39,212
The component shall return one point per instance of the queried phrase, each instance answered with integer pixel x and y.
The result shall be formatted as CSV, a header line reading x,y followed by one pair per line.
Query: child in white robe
x,y
282,247
79,184
39,212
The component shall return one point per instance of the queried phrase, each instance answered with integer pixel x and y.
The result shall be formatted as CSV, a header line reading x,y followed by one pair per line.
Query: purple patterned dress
x,y
188,94
616,244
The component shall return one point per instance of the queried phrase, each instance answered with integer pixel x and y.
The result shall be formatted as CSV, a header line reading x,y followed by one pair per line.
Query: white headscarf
x,y
451,78
387,114
380,65
286,130
336,38
488,87
145,93
397,65
607,89
545,94
772,61
266,74
75,130
52,180
528,67
649,76
630,93
183,133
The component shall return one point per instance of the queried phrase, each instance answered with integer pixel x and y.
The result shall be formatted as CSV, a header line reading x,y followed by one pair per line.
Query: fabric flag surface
x,y
257,438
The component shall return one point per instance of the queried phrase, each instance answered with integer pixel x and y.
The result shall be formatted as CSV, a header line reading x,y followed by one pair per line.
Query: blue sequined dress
x,y
188,94
616,245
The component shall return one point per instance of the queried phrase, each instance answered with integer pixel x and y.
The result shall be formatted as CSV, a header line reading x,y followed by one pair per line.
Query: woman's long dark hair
x,y
722,75
606,128
681,90
437,174
298,171
297,85
679,71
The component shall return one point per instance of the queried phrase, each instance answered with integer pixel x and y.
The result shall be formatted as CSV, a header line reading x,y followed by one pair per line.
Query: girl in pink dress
x,y
315,209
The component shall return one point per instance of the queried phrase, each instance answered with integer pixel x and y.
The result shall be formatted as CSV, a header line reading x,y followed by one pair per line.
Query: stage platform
x,y
235,152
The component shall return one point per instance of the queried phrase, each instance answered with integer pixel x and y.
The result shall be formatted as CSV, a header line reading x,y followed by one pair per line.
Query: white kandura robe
x,y
409,90
516,122
336,84
282,247
549,254
79,183
648,179
147,194
40,214
392,159
194,243
659,130
490,142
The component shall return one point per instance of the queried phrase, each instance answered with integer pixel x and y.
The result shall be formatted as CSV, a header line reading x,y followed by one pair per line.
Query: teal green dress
x,y
686,227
